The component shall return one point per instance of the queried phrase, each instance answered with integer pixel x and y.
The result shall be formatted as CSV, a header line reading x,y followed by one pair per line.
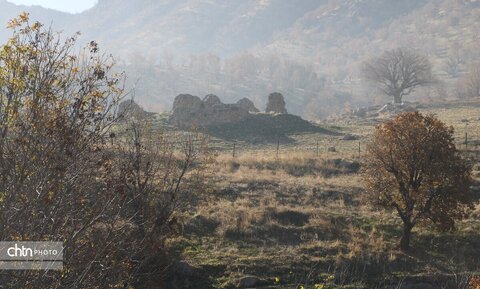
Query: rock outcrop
x,y
130,109
187,102
190,110
240,120
276,104
247,104
210,112
211,100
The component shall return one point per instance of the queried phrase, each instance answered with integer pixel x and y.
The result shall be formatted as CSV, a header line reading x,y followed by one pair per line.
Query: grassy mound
x,y
266,128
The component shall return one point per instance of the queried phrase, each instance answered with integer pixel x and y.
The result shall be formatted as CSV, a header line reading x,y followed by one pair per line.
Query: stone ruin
x,y
276,104
130,109
190,110
247,104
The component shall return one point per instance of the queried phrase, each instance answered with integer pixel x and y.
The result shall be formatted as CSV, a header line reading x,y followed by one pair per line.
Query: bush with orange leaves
x,y
413,167
474,283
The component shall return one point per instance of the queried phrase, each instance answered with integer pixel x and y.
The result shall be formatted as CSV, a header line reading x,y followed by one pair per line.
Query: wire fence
x,y
315,146
469,147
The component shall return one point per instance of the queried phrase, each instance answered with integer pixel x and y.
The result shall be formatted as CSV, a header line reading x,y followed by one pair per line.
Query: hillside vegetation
x,y
298,217
309,50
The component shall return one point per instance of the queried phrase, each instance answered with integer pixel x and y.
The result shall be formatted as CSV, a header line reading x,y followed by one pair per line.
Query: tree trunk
x,y
397,99
405,241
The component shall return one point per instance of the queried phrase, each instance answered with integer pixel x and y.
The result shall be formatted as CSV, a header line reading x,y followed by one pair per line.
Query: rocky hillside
x,y
309,50
189,26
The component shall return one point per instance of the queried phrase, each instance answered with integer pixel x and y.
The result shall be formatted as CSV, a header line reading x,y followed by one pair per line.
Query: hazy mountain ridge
x,y
251,48
47,16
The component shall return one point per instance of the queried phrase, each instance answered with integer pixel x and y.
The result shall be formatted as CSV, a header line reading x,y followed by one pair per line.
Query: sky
x,y
72,6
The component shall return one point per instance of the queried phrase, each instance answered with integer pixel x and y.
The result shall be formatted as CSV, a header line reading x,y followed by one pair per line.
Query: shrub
x,y
413,167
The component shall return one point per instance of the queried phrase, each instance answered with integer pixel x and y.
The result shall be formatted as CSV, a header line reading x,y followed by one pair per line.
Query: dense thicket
x,y
70,172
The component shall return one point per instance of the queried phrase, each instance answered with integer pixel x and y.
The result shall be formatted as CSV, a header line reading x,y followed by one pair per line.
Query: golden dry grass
x,y
282,216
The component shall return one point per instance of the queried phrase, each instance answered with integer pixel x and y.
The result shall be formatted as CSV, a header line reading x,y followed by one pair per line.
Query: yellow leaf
x,y
23,16
36,26
13,23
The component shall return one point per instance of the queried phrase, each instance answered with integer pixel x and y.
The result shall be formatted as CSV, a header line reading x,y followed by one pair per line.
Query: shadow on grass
x,y
266,128
457,251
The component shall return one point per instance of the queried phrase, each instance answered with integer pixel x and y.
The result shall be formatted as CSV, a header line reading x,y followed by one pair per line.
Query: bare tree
x,y
398,72
453,65
69,171
469,85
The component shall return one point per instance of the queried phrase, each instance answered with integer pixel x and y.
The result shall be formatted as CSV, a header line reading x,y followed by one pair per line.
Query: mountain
x,y
46,16
309,50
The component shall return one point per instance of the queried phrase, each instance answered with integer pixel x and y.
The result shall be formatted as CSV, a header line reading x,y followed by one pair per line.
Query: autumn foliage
x,y
413,167
474,283
69,172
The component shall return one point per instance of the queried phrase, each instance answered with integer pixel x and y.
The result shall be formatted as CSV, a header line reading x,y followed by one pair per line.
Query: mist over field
x,y
227,144
310,51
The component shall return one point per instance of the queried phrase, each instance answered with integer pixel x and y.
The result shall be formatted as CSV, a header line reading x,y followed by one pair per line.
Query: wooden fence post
x,y
466,141
278,147
359,149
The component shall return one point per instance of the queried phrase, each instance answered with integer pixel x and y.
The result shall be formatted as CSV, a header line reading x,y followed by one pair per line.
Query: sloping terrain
x,y
309,50
296,218
266,128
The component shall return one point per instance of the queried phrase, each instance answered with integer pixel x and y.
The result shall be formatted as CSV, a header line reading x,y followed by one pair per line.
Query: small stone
x,y
249,282
350,137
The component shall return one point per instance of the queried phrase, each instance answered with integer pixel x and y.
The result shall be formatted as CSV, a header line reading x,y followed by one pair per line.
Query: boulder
x,y
346,166
276,104
250,282
247,104
350,137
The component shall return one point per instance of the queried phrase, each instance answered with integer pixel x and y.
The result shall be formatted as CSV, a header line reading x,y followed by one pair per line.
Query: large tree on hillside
x,y
413,167
398,72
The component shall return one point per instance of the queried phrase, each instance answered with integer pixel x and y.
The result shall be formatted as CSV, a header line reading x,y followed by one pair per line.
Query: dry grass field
x,y
297,218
